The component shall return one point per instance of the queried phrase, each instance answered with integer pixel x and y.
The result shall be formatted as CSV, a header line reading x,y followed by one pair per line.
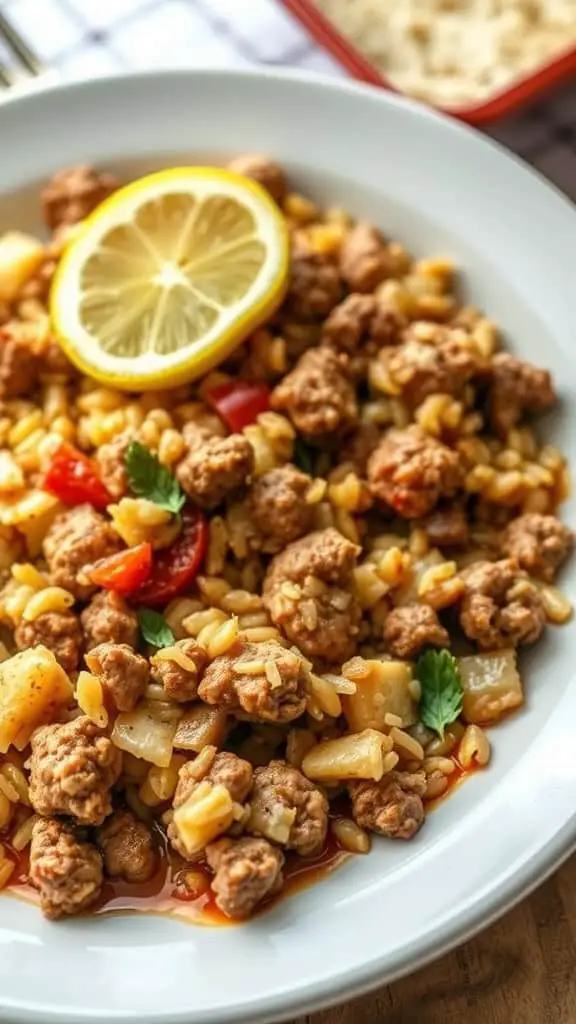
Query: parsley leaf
x,y
441,699
154,628
148,478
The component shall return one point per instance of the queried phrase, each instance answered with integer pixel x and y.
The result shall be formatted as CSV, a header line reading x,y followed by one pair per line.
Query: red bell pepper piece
x,y
175,567
74,478
240,402
124,572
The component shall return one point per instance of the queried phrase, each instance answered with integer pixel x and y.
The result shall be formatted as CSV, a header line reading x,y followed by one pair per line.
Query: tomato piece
x,y
240,402
74,478
124,572
176,567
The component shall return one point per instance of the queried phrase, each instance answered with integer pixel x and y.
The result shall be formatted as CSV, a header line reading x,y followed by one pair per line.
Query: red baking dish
x,y
520,93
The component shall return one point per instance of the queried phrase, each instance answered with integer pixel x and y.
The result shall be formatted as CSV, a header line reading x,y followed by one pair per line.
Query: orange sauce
x,y
166,891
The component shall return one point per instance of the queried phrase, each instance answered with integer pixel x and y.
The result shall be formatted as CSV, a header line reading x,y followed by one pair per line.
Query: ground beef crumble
x,y
59,631
66,870
262,682
308,592
287,808
500,606
123,673
246,871
317,396
392,807
539,543
127,847
411,471
72,769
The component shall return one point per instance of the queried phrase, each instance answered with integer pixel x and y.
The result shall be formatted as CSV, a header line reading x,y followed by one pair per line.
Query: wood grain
x,y
522,970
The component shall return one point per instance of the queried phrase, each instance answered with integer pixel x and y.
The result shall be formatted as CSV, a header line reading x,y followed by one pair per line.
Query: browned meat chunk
x,y
500,606
364,258
392,807
359,326
447,527
77,539
359,320
261,682
127,847
246,872
59,631
315,286
214,467
308,592
360,445
419,369
19,367
286,808
317,396
278,507
410,471
410,628
539,544
109,619
180,677
73,193
226,770
66,870
262,170
124,675
111,459
517,388
72,769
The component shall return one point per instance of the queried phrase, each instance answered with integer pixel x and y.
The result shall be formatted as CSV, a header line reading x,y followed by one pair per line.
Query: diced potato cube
x,y
20,256
201,726
33,687
386,689
358,756
491,684
206,814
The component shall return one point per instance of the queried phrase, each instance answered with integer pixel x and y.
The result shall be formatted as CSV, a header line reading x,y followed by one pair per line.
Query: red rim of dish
x,y
519,94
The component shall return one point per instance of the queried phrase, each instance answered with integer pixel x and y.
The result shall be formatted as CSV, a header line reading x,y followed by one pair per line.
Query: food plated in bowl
x,y
340,604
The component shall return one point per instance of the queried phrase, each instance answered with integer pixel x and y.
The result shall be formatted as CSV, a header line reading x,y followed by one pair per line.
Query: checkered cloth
x,y
90,37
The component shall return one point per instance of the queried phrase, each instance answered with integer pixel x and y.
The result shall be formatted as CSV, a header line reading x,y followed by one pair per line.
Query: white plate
x,y
439,188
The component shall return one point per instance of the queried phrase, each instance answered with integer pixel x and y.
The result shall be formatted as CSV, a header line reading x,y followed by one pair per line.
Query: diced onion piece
x,y
385,689
146,733
33,687
206,814
358,756
491,684
199,727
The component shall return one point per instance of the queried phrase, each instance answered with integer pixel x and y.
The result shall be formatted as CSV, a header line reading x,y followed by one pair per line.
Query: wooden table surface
x,y
522,970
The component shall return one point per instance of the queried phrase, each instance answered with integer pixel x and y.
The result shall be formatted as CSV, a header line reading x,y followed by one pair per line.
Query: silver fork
x,y
28,64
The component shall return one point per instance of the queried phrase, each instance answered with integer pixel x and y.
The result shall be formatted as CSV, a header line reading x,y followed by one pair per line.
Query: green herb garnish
x,y
441,699
148,478
154,628
303,457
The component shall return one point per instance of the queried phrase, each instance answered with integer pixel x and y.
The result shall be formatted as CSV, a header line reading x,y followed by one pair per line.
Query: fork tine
x,y
5,77
19,47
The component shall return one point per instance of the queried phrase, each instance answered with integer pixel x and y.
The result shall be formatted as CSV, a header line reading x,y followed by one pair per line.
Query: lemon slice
x,y
168,276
